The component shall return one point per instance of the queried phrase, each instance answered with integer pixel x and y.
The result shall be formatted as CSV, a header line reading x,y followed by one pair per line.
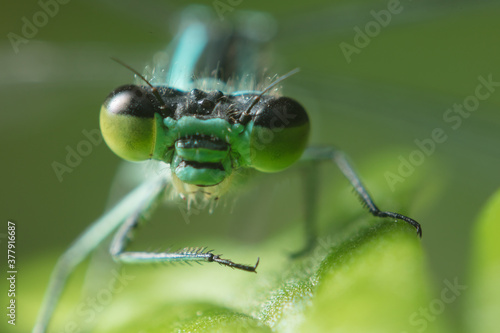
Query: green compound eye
x,y
279,135
127,123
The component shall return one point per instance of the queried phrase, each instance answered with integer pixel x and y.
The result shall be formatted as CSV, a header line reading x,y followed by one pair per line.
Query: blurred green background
x,y
396,90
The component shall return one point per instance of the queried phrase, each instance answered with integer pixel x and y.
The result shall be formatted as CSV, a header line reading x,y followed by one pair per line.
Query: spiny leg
x,y
197,254
339,158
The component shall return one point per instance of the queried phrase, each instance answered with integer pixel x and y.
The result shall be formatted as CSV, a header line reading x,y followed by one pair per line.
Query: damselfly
x,y
207,124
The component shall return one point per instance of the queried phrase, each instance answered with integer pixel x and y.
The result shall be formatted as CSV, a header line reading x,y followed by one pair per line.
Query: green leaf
x,y
484,294
370,279
373,281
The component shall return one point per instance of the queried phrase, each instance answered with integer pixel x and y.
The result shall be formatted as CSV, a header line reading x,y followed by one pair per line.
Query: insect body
x,y
206,134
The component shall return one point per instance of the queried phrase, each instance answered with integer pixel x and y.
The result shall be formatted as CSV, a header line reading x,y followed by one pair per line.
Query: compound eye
x,y
127,123
279,135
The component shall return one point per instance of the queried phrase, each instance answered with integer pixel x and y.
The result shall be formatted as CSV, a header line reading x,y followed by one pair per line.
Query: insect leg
x,y
340,159
198,254
142,196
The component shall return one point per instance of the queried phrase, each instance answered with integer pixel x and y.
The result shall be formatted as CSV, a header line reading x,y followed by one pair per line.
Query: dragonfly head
x,y
204,136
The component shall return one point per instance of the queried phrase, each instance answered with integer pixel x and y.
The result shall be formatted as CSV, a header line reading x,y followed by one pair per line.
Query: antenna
x,y
154,90
245,116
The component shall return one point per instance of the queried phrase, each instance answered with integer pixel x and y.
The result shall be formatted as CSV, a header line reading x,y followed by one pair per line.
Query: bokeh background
x,y
394,91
